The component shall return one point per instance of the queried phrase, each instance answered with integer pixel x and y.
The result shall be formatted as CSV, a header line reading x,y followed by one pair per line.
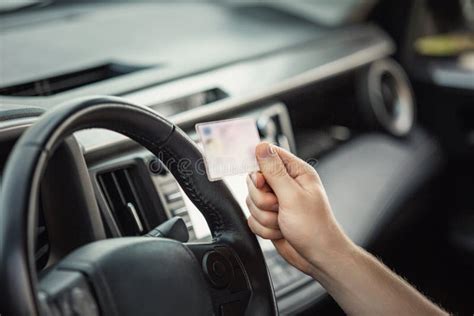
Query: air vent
x,y
68,81
122,199
386,97
190,102
42,247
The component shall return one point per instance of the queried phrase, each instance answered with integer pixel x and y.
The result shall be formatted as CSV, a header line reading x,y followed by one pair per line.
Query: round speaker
x,y
386,97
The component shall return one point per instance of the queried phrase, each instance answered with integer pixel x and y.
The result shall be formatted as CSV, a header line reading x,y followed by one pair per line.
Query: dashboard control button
x,y
82,302
64,304
46,307
217,269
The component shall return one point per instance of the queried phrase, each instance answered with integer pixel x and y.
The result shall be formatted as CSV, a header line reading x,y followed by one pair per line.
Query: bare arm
x,y
362,285
289,206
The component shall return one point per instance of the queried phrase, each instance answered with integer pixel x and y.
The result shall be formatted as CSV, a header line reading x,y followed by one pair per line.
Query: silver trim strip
x,y
133,210
13,128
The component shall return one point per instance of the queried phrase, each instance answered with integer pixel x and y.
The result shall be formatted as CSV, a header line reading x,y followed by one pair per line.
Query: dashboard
x,y
304,95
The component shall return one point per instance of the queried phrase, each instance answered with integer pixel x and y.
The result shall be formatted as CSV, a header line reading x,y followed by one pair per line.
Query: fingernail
x,y
265,151
253,176
271,149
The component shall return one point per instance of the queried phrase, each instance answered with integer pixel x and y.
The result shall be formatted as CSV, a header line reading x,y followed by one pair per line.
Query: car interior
x,y
98,106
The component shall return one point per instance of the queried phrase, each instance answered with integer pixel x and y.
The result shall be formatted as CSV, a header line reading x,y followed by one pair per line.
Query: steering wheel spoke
x,y
228,282
66,292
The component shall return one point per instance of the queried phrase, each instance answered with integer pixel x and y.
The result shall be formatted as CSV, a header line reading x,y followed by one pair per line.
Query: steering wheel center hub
x,y
142,276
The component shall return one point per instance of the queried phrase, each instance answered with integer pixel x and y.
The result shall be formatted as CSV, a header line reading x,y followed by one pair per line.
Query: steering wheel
x,y
130,275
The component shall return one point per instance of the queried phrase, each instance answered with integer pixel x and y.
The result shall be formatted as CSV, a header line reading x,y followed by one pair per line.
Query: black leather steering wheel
x,y
132,275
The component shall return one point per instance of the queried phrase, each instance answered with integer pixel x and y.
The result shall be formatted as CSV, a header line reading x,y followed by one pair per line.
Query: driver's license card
x,y
229,147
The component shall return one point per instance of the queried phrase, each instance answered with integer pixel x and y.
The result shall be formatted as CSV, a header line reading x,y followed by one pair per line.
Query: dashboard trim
x,y
237,101
325,71
13,128
349,49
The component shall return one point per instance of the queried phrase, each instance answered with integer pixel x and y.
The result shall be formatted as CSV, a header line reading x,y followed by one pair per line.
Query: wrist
x,y
338,254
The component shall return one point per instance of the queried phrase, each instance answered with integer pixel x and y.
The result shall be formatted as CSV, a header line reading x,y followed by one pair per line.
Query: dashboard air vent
x,y
122,199
68,81
191,101
42,247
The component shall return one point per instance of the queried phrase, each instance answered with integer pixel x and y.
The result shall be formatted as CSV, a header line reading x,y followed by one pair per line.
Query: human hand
x,y
288,205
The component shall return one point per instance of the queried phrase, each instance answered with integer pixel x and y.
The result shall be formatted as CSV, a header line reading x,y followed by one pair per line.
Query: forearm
x,y
306,234
364,286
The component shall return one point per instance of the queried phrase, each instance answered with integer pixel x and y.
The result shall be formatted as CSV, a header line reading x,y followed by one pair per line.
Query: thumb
x,y
273,168
301,171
